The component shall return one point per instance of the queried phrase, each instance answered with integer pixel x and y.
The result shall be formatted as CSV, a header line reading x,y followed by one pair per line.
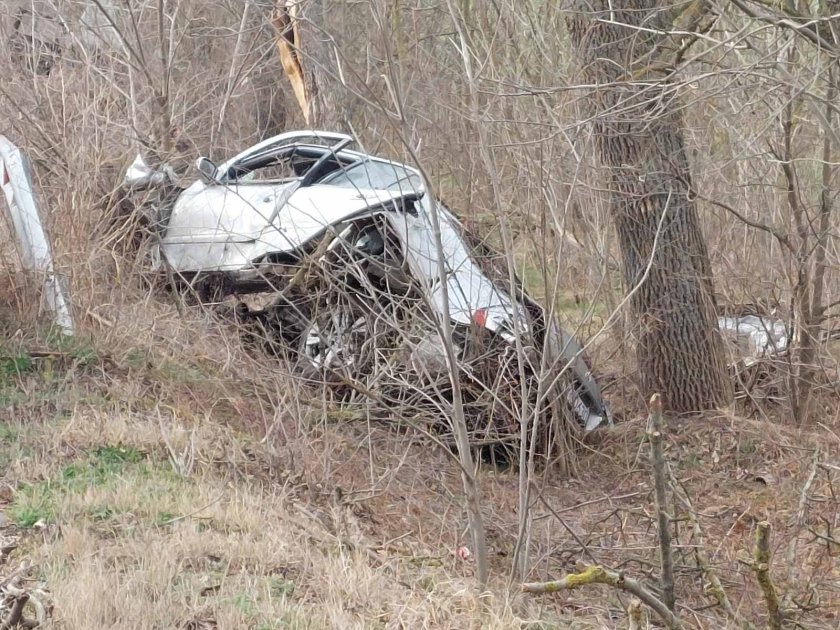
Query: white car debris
x,y
755,337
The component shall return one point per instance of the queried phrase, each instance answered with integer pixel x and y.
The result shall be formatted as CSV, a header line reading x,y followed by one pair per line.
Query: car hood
x,y
227,228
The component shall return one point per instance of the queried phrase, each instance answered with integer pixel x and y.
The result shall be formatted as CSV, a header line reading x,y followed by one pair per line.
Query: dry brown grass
x,y
248,538
297,514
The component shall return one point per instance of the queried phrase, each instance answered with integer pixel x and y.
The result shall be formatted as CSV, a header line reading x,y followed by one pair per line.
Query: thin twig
x,y
782,238
565,525
801,512
194,512
709,571
805,30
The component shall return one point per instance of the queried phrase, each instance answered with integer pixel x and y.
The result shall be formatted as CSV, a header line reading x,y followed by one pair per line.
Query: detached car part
x,y
755,337
34,247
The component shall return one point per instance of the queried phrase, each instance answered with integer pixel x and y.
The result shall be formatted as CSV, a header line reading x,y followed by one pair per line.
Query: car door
x,y
218,225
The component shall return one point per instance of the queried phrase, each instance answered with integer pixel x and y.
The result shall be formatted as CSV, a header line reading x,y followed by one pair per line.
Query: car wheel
x,y
336,344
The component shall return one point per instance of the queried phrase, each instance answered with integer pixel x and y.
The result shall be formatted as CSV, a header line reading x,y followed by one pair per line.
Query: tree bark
x,y
310,62
638,134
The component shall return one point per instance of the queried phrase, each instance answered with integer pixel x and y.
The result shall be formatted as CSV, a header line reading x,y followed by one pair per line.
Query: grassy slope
x,y
141,506
164,488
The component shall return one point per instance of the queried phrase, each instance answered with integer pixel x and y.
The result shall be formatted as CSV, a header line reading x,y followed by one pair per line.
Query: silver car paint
x,y
229,226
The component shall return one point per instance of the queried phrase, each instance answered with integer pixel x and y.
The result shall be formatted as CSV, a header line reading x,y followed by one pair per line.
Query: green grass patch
x,y
79,348
13,443
105,468
103,513
181,373
11,396
281,587
100,466
8,433
33,503
244,603
164,517
117,456
568,305
27,381
136,358
14,365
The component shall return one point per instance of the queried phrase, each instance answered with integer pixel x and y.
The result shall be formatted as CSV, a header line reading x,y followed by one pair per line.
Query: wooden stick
x,y
801,514
599,575
657,457
761,566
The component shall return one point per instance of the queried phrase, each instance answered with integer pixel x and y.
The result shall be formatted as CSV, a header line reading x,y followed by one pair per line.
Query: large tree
x,y
636,113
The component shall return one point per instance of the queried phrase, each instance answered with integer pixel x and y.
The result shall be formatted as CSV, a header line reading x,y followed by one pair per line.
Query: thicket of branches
x,y
491,99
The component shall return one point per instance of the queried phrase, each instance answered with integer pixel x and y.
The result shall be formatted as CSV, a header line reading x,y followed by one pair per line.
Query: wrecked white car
x,y
345,246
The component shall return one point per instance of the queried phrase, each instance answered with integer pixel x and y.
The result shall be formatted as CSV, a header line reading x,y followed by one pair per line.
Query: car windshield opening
x,y
285,164
376,175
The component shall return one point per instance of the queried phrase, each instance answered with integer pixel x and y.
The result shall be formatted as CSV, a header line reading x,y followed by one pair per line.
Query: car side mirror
x,y
207,171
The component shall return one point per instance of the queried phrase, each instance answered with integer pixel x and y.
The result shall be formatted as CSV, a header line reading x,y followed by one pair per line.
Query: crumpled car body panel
x,y
230,227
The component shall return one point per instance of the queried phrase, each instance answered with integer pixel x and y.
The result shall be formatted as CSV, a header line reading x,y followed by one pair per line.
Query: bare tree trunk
x,y
311,63
813,311
638,130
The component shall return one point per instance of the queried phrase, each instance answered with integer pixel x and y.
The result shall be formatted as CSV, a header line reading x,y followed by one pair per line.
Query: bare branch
x,y
599,575
782,238
761,566
663,519
703,560
804,30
